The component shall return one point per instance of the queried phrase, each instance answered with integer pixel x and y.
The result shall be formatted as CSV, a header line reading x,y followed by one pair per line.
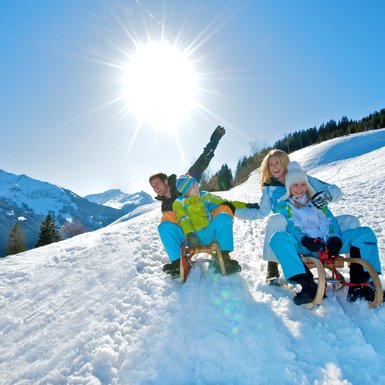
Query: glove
x,y
334,246
321,199
216,136
192,240
312,244
252,205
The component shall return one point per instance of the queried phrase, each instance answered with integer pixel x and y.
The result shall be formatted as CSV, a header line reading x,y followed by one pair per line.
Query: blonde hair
x,y
265,169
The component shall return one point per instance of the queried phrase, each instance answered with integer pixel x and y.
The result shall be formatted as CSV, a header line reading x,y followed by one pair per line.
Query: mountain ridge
x,y
28,200
118,199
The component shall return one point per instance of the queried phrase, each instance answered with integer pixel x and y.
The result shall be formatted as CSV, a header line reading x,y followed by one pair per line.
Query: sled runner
x,y
188,253
337,280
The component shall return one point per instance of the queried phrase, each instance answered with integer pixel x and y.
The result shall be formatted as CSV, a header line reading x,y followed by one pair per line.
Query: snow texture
x,y
97,309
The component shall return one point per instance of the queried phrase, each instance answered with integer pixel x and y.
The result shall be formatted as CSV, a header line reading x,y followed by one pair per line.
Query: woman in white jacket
x,y
273,176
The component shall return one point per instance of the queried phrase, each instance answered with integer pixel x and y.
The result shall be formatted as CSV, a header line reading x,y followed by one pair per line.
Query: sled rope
x,y
336,275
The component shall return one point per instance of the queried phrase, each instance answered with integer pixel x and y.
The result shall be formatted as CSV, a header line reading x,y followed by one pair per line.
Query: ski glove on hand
x,y
217,135
321,199
192,240
312,244
334,246
252,205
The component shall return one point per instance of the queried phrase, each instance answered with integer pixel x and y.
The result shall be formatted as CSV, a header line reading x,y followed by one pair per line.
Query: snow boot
x,y
360,292
231,265
272,274
361,289
172,268
309,288
358,276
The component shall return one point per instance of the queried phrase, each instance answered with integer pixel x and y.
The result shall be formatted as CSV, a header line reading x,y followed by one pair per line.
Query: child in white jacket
x,y
310,230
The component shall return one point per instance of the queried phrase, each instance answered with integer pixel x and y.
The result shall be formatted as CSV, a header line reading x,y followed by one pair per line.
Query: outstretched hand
x,y
321,199
252,205
217,135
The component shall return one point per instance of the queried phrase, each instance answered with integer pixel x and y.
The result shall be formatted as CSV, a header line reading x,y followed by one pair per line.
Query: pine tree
x,y
204,183
16,240
225,178
70,229
49,232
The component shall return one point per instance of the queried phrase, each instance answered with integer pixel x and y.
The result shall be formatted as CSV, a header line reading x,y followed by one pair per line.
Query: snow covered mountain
x,y
119,200
29,200
97,309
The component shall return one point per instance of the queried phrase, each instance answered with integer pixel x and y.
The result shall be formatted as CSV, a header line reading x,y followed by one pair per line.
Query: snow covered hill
x,y
120,200
97,309
29,200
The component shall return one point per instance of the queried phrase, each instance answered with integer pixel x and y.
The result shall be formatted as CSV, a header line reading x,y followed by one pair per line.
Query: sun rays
x,y
163,80
160,85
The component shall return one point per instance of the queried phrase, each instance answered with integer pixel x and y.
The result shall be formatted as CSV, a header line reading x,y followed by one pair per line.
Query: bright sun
x,y
160,85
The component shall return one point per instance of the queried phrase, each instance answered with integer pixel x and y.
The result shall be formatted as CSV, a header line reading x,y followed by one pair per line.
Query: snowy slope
x,y
97,309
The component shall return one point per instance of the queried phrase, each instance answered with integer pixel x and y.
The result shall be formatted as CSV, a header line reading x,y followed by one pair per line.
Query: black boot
x,y
172,268
309,288
358,276
272,273
231,265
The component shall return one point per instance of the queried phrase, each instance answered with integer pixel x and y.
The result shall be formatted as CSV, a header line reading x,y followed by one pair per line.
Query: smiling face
x,y
276,168
298,189
161,188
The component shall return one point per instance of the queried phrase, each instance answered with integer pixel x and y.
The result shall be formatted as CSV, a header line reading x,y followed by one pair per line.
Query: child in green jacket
x,y
205,218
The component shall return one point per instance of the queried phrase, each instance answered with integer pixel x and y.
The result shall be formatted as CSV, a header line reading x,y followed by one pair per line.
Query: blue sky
x,y
264,69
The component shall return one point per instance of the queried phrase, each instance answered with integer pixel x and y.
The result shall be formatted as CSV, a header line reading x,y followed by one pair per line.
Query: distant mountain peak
x,y
120,200
24,197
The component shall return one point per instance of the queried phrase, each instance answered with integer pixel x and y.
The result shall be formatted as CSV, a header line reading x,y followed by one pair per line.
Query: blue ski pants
x,y
220,229
287,249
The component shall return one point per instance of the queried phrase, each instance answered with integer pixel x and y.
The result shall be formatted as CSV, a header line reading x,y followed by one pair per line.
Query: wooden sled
x,y
337,278
188,253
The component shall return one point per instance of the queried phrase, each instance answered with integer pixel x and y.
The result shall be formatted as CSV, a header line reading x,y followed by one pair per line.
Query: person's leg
x,y
346,222
220,229
361,242
284,246
357,276
277,222
366,241
172,238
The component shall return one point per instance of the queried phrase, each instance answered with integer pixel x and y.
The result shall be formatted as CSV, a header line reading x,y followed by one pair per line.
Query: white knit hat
x,y
295,174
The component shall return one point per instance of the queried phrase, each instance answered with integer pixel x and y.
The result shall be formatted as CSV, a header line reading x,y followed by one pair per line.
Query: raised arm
x,y
325,192
199,167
